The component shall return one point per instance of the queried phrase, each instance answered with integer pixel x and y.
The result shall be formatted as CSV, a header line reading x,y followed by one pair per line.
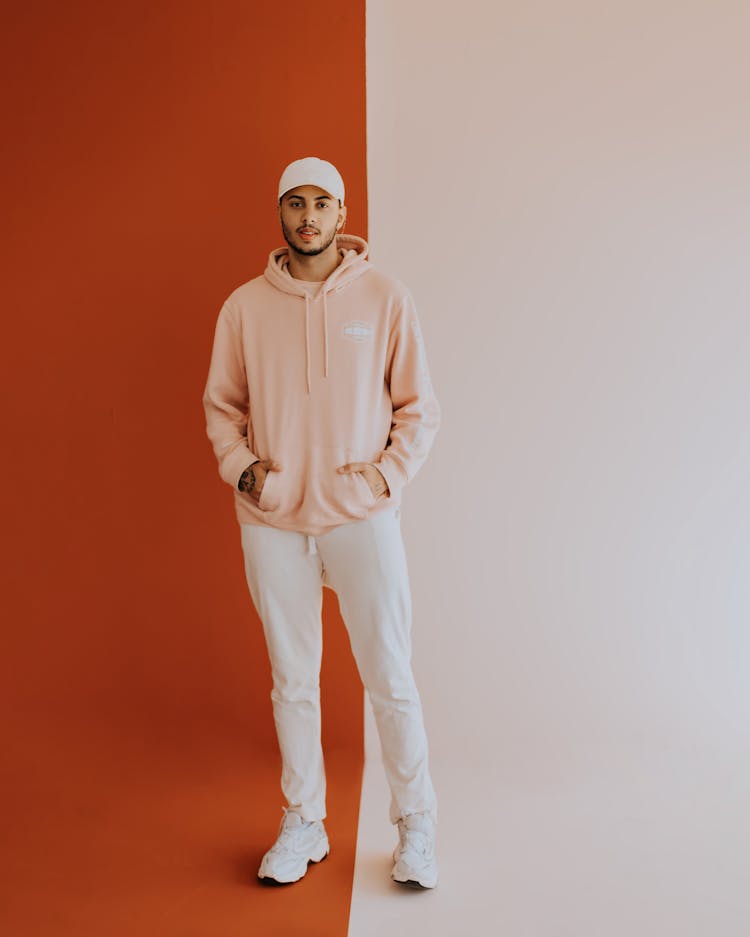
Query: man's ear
x,y
342,219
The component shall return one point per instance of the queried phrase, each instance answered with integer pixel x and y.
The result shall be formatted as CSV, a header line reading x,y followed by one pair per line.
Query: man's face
x,y
310,218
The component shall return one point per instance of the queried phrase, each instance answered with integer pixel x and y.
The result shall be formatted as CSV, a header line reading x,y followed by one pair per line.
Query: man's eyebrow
x,y
318,198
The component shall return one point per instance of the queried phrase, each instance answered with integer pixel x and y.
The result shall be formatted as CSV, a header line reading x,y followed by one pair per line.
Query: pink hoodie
x,y
314,382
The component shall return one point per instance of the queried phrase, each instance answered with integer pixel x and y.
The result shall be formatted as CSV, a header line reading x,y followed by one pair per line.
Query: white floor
x,y
627,841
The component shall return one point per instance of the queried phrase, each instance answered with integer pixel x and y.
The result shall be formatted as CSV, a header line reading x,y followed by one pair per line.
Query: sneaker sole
x,y
413,883
268,880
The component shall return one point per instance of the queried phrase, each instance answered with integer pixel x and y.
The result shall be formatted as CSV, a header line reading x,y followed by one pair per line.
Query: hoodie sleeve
x,y
416,412
225,399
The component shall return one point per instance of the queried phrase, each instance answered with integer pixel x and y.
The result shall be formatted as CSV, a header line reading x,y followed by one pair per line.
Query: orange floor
x,y
106,832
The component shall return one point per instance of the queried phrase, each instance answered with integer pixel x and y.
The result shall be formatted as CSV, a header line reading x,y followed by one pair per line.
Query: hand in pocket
x,y
261,470
371,474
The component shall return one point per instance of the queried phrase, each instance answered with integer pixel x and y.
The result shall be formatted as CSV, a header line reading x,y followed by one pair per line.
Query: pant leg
x,y
365,564
285,582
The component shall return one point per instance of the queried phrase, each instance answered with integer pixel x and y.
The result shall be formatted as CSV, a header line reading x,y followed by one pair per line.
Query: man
x,y
319,407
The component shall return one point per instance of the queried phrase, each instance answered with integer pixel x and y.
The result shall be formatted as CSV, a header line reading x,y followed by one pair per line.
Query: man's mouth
x,y
307,234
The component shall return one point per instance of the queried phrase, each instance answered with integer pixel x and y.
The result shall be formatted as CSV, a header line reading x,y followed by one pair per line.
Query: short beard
x,y
313,251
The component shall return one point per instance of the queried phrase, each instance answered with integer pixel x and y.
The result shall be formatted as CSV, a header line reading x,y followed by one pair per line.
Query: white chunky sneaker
x,y
414,857
299,842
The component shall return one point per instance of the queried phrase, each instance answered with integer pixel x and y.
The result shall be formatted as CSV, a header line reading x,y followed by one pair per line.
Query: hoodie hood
x,y
354,263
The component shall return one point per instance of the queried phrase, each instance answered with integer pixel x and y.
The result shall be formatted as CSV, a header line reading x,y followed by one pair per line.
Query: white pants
x,y
364,562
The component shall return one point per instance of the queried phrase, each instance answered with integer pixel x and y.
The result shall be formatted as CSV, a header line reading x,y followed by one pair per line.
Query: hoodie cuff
x,y
393,474
234,464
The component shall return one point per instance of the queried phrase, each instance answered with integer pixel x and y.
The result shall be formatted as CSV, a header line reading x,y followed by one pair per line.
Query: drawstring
x,y
307,337
325,333
325,329
311,548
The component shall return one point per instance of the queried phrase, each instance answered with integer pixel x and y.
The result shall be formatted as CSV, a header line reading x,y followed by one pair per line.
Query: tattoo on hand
x,y
247,480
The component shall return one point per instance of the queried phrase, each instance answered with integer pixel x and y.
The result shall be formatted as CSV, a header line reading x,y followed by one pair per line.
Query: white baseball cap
x,y
312,171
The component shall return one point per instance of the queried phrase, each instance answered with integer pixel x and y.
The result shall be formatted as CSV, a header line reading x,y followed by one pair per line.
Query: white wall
x,y
565,188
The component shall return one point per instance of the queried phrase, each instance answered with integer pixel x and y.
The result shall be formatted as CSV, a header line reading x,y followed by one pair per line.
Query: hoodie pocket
x,y
269,500
337,495
364,484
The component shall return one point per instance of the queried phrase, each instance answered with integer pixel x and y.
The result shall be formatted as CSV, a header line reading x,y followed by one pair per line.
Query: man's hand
x,y
259,470
370,473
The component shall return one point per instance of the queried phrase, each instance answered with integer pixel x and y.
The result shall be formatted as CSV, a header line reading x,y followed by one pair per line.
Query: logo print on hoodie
x,y
357,331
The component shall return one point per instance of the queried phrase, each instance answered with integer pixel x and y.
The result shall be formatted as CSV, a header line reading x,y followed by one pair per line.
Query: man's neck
x,y
316,268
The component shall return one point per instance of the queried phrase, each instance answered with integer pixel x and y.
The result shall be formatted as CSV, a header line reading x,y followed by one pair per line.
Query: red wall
x,y
143,147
